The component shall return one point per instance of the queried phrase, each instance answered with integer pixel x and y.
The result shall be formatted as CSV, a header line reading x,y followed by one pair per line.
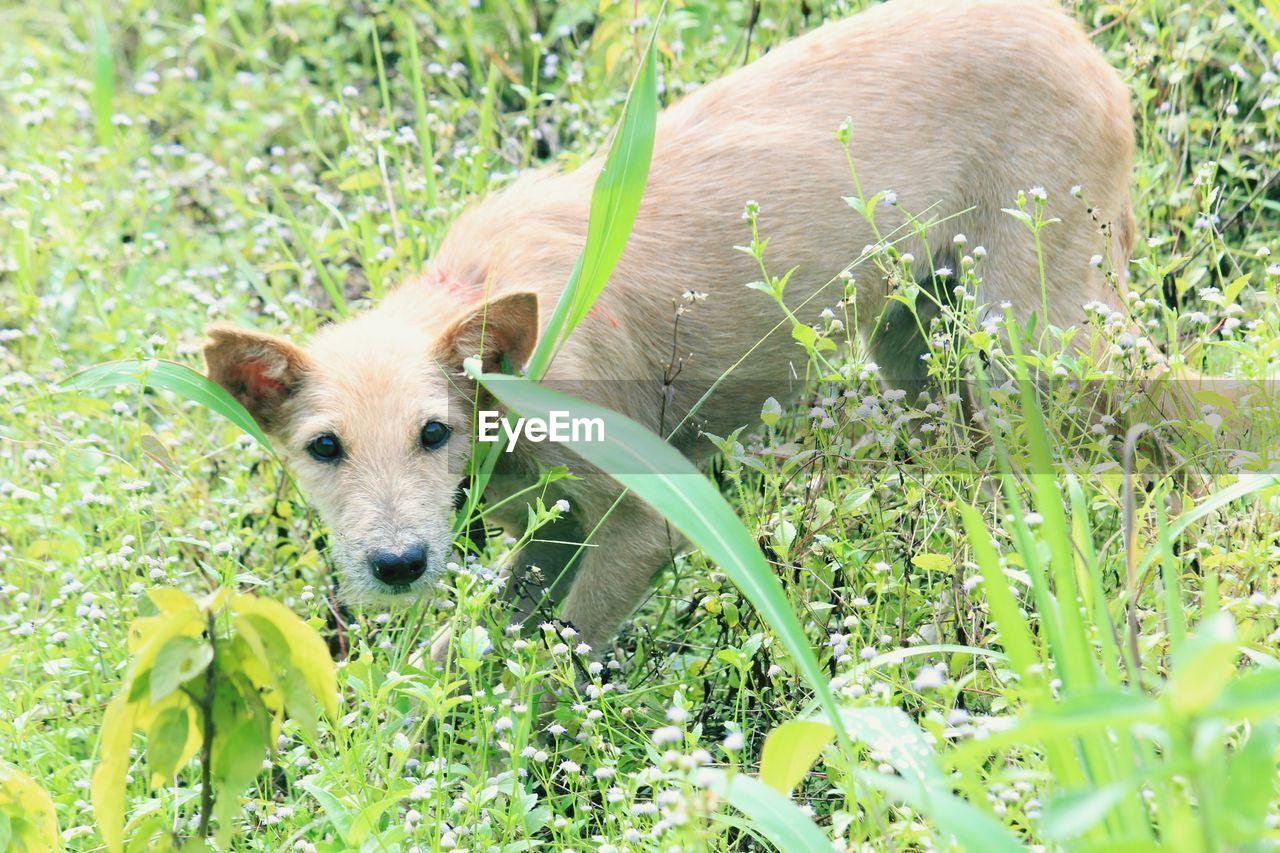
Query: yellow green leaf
x,y
33,824
933,562
170,600
107,791
790,750
309,652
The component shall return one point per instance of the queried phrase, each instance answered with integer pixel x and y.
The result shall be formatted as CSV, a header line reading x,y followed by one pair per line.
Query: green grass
x,y
1016,632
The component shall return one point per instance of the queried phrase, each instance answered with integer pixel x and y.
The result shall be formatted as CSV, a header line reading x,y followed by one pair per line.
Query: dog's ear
x,y
505,327
259,370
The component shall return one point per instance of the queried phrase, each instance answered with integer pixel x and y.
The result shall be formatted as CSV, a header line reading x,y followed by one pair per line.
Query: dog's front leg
x,y
616,570
537,577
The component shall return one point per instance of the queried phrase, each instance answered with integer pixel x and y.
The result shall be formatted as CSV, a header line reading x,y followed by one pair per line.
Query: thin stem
x,y
206,747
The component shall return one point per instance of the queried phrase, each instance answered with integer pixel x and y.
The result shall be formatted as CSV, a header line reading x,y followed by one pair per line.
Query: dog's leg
x,y
538,577
544,569
897,338
628,551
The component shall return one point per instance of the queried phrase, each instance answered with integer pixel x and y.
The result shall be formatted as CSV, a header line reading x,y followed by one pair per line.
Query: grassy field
x,y
1030,647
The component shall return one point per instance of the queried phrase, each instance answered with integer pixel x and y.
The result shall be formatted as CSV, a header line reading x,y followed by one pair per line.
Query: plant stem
x,y
206,746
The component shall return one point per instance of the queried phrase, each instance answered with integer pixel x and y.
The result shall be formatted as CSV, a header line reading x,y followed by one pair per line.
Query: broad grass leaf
x,y
769,813
339,813
615,200
974,830
920,782
663,478
790,750
1204,665
1216,501
897,656
308,650
890,732
1105,709
169,376
1253,695
1015,634
1250,786
1074,813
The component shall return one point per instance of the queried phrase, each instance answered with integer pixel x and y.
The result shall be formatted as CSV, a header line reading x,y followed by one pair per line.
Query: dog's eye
x,y
433,435
325,448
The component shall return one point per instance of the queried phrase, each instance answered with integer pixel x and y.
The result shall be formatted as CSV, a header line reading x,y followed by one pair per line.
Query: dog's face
x,y
374,420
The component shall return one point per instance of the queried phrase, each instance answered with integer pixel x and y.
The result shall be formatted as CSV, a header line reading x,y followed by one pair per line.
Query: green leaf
x,y
804,334
615,200
338,812
1015,634
308,650
165,743
360,181
771,814
1250,786
933,562
790,750
1074,813
107,789
179,660
28,820
237,761
771,412
920,782
1104,709
1250,696
663,478
974,830
890,732
1203,666
104,79
169,376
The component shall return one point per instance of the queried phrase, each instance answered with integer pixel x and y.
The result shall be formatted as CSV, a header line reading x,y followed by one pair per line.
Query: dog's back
x,y
955,106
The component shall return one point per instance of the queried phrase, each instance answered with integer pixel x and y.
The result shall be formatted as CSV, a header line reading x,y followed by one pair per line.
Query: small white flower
x,y
667,735
929,678
733,742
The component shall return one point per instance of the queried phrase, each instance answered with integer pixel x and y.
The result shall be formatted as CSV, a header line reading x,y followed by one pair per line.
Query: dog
x,y
956,106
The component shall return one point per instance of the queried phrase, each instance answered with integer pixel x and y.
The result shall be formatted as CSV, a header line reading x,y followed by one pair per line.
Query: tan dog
x,y
957,105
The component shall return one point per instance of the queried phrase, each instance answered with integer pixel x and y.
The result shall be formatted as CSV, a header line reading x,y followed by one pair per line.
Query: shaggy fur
x,y
956,105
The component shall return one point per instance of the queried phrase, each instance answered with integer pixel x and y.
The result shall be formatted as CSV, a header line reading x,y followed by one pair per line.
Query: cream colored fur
x,y
956,106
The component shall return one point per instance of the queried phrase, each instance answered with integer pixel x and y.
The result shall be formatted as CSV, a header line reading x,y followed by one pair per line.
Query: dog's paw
x,y
440,646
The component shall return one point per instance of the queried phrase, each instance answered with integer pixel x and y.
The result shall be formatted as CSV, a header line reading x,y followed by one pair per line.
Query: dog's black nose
x,y
399,567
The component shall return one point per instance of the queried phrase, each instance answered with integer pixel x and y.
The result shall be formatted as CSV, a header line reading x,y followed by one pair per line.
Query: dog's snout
x,y
399,567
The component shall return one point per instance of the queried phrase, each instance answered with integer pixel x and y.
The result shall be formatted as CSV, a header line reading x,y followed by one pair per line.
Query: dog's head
x,y
374,419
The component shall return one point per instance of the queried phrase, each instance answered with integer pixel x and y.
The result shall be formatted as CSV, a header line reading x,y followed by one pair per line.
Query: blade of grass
x,y
615,200
104,80
615,197
169,376
663,478
769,813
